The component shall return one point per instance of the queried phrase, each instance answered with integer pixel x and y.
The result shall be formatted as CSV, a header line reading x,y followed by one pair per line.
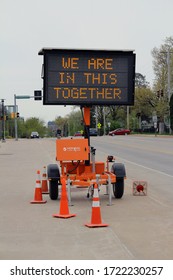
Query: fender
x,y
119,170
53,172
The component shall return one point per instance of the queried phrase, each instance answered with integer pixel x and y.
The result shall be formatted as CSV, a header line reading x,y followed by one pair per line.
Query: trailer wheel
x,y
118,188
54,179
53,189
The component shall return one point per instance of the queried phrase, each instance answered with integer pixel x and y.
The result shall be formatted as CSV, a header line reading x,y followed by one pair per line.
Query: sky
x,y
27,26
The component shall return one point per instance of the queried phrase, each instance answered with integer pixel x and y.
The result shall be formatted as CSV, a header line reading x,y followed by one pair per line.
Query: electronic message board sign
x,y
88,77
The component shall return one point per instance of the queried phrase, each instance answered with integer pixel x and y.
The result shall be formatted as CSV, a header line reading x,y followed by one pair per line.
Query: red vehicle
x,y
78,133
119,131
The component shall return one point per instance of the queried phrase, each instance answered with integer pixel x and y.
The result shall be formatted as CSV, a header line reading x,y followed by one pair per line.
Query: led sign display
x,y
88,77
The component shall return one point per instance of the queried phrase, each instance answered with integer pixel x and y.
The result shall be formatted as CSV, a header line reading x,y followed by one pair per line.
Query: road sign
x,y
88,77
99,125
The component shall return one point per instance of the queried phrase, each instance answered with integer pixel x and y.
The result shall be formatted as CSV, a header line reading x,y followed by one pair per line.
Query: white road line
x,y
148,168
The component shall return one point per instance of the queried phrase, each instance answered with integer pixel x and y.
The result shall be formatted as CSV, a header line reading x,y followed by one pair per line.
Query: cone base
x,y
38,202
96,225
63,216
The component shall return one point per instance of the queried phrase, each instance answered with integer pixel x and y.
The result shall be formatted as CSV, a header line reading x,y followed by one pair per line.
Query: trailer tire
x,y
54,179
118,188
53,189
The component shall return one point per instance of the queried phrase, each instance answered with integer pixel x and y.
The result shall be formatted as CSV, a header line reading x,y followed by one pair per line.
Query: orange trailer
x,y
78,166
86,78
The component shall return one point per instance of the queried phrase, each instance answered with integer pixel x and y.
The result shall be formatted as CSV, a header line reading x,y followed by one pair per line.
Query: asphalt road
x,y
152,152
140,227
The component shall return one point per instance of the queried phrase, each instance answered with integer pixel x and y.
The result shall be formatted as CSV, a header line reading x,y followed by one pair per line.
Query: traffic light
x,y
12,115
161,93
37,95
17,115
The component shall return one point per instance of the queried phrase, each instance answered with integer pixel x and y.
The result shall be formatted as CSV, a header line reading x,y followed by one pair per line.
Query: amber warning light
x,y
88,77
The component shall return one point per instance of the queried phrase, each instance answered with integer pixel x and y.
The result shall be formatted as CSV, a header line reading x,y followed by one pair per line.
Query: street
x,y
140,227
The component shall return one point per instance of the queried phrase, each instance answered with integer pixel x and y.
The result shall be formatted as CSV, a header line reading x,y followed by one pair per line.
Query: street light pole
x,y
168,62
3,121
104,121
169,85
128,117
15,118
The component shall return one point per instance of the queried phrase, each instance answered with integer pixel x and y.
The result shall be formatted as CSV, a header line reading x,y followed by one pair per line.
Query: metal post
x,y
3,121
69,192
93,159
128,117
168,61
96,115
97,179
15,118
104,121
109,190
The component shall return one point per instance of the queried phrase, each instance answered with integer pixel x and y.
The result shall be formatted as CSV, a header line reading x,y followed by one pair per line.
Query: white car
x,y
34,134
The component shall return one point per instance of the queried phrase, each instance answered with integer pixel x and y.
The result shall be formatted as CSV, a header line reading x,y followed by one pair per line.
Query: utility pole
x,y
104,121
15,118
169,84
128,125
169,79
3,121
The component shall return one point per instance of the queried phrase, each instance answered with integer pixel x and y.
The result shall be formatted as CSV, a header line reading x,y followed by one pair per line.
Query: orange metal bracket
x,y
87,115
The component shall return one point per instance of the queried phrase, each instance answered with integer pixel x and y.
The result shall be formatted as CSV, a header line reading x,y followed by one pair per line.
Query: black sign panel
x,y
88,77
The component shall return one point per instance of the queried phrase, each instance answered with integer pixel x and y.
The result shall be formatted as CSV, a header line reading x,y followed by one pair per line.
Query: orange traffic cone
x,y
96,220
38,193
64,210
44,185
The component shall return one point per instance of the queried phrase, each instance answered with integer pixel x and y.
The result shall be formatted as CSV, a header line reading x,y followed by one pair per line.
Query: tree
x,y
140,81
160,64
74,120
62,124
34,124
144,103
160,67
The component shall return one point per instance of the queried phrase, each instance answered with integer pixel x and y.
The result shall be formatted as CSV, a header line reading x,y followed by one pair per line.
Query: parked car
x,y
119,131
58,133
78,133
34,134
93,131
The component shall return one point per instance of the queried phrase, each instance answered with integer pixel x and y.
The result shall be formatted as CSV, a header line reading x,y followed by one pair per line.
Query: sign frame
x,y
127,78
